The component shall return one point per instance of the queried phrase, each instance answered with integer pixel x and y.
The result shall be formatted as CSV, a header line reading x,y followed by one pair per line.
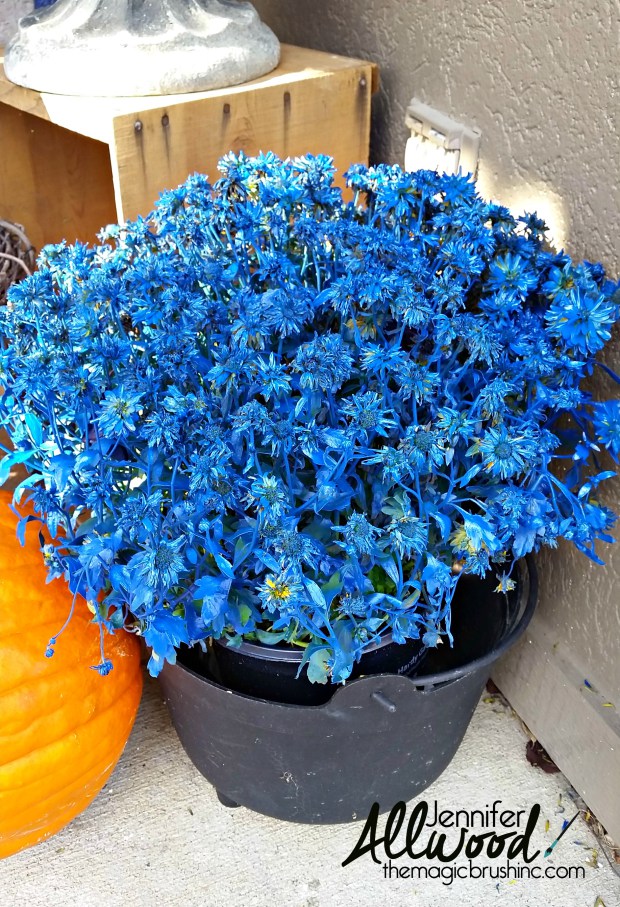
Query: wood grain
x,y
157,149
56,183
71,165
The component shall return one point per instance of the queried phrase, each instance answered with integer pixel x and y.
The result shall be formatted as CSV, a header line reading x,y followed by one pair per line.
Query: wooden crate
x,y
70,165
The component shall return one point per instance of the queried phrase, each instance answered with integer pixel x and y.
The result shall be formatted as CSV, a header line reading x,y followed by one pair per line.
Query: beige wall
x,y
539,78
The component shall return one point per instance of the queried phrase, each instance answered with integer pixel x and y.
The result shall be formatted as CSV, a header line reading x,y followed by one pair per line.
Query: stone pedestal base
x,y
111,48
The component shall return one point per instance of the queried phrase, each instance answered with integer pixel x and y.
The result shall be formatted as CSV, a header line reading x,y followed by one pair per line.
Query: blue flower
x,y
507,453
231,364
280,434
560,281
269,494
494,397
359,534
423,448
377,359
160,566
416,380
273,378
606,423
437,576
368,414
409,535
119,412
324,363
285,313
581,320
394,463
511,274
140,516
294,548
455,425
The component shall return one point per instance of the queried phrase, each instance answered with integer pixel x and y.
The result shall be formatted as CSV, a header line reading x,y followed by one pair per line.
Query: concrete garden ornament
x,y
119,47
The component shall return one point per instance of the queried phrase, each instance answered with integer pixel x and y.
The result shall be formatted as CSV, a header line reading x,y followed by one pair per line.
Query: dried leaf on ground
x,y
538,756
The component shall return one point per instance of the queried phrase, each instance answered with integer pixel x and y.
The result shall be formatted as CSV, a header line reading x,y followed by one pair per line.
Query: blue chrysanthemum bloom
x,y
359,534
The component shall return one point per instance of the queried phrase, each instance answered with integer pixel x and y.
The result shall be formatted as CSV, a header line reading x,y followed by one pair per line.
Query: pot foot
x,y
226,801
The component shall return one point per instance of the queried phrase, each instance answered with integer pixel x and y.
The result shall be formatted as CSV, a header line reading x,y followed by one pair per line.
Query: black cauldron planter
x,y
380,737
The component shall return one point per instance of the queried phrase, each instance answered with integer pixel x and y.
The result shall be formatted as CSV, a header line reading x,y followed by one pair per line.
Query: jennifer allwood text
x,y
468,832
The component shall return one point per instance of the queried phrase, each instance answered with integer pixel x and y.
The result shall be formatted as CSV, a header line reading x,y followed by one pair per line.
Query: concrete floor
x,y
157,835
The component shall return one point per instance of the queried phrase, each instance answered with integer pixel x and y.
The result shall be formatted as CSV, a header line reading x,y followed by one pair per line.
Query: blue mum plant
x,y
265,412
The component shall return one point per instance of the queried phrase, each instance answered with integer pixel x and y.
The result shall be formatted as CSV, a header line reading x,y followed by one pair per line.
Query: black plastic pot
x,y
270,672
383,738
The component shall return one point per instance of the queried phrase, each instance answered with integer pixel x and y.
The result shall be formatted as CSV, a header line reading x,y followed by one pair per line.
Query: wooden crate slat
x,y
71,165
56,183
157,149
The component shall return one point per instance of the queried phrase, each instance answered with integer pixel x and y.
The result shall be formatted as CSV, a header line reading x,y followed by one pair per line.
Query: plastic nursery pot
x,y
380,738
270,672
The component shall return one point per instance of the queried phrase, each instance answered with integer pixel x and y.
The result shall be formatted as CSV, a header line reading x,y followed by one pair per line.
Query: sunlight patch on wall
x,y
534,196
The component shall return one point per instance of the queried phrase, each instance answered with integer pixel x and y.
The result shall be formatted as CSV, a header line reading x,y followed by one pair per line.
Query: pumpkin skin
x,y
63,726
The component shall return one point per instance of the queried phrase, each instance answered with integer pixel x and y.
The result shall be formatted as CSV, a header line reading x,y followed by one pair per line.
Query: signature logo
x,y
454,833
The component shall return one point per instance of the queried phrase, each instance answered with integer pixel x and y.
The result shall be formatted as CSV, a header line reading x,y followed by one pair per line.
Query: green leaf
x,y
332,587
245,614
268,638
318,667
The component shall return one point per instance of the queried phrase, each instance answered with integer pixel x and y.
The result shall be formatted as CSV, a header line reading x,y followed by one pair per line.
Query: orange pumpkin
x,y
63,726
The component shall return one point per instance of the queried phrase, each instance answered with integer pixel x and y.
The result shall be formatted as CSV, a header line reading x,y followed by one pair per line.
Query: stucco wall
x,y
539,78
